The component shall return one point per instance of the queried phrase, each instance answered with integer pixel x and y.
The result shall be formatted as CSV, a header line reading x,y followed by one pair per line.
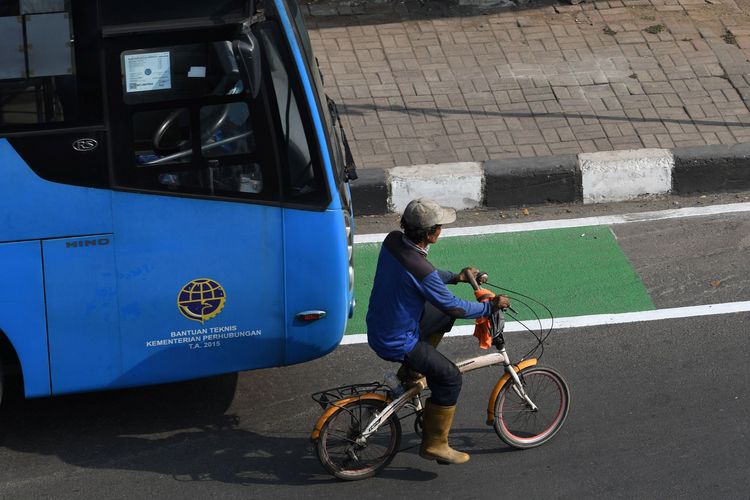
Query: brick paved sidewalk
x,y
436,82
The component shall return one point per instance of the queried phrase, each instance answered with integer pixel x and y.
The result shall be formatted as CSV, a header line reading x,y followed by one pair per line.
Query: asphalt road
x,y
659,410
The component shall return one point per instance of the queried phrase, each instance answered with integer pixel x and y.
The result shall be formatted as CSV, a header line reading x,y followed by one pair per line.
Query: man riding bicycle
x,y
411,309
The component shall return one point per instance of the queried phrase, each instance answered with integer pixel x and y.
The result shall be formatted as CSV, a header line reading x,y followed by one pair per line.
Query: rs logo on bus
x,y
85,144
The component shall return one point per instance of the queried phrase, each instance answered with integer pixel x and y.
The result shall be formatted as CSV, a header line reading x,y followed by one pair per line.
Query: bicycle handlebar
x,y
473,280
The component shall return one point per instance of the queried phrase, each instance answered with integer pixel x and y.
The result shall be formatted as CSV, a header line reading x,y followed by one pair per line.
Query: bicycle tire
x,y
343,458
516,424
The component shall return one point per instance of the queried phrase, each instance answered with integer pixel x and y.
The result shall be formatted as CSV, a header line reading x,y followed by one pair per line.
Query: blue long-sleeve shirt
x,y
404,280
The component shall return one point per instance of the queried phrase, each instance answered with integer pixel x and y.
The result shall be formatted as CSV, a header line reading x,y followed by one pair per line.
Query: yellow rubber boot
x,y
436,426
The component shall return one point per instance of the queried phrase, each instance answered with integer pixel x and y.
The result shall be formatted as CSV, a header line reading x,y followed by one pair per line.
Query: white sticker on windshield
x,y
197,72
149,71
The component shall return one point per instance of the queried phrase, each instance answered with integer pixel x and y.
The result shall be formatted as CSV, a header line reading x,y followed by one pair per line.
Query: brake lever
x,y
482,277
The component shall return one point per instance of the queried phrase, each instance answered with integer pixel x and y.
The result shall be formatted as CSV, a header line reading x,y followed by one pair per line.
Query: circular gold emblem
x,y
201,299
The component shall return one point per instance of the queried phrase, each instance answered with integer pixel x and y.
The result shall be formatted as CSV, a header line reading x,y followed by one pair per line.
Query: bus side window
x,y
226,129
302,171
163,138
227,180
215,142
37,85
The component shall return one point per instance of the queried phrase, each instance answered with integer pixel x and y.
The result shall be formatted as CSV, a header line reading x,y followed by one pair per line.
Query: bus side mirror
x,y
247,55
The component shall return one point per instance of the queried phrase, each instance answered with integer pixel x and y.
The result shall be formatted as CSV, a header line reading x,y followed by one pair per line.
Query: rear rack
x,y
329,397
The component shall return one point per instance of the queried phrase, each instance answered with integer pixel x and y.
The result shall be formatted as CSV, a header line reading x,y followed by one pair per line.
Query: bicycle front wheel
x,y
518,423
347,457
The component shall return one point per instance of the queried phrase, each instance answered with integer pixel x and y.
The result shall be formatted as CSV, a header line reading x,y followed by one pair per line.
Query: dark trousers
x,y
442,374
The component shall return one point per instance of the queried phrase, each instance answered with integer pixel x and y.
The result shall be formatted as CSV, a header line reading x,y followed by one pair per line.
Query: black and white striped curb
x,y
587,177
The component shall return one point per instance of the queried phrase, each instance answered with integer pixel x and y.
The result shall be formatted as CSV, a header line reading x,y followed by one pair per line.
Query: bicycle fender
x,y
336,406
499,386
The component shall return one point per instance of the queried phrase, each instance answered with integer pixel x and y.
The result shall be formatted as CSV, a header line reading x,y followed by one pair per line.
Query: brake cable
x,y
542,336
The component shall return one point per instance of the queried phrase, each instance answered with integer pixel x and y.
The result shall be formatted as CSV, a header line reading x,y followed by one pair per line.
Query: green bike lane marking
x,y
574,271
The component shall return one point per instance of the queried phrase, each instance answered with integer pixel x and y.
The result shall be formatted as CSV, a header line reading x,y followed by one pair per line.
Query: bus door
x,y
197,218
82,327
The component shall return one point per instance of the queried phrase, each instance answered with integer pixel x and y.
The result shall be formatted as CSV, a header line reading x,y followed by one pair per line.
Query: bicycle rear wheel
x,y
515,421
341,454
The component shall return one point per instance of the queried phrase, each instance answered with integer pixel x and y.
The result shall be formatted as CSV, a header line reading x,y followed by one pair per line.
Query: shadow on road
x,y
184,430
479,112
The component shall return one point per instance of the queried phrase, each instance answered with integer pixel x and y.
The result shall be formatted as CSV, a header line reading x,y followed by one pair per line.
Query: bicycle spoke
x,y
342,437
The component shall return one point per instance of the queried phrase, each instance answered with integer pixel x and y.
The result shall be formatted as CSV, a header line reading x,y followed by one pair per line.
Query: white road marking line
x,y
597,319
605,220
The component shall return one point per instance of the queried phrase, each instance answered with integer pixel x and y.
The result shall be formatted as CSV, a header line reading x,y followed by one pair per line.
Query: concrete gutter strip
x,y
532,181
708,169
588,177
370,192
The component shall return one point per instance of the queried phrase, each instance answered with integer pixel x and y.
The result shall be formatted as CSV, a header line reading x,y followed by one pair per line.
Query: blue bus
x,y
174,198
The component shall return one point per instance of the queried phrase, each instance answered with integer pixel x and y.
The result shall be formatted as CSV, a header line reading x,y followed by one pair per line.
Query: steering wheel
x,y
189,152
226,86
216,118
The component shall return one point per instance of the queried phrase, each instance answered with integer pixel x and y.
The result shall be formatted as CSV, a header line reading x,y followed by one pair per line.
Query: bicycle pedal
x,y
442,462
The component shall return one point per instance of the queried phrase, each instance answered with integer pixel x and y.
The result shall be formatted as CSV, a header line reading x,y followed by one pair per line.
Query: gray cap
x,y
425,213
